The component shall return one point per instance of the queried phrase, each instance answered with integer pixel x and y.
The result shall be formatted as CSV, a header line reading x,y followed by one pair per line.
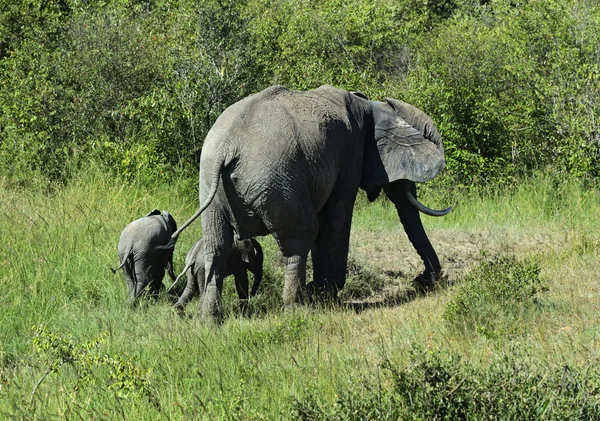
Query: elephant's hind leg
x,y
218,240
290,217
130,279
156,284
295,247
330,249
295,278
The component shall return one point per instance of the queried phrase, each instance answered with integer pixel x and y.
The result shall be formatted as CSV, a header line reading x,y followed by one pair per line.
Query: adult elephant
x,y
290,163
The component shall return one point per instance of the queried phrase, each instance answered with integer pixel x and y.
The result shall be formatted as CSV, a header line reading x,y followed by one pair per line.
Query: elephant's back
x,y
196,253
143,234
277,113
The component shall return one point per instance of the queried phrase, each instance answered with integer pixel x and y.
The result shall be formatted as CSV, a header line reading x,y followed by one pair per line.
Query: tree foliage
x,y
134,85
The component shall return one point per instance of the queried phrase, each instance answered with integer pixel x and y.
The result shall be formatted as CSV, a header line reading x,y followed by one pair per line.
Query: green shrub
x,y
512,88
497,297
133,89
135,85
125,377
434,386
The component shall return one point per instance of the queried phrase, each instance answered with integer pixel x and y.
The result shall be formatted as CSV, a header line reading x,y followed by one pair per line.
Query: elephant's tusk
x,y
421,207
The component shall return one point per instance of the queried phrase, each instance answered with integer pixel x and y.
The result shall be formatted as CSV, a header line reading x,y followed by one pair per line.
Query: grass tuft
x,y
361,282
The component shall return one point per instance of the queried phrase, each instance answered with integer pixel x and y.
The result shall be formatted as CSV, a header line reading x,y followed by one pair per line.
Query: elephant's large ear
x,y
406,146
418,119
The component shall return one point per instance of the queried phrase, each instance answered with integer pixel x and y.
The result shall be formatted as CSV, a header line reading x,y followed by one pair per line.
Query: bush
x,y
511,88
440,387
496,298
131,87
125,377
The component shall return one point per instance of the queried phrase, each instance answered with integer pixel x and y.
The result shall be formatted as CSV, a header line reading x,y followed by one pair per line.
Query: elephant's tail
x,y
211,195
114,270
183,272
127,255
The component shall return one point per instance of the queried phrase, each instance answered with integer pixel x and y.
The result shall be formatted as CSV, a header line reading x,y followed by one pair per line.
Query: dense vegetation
x,y
134,85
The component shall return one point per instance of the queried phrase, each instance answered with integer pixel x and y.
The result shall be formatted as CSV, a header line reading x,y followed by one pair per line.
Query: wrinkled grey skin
x,y
290,163
142,263
246,255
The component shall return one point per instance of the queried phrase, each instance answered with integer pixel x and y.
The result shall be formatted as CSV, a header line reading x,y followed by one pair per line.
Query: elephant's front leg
x,y
295,279
241,285
411,221
218,236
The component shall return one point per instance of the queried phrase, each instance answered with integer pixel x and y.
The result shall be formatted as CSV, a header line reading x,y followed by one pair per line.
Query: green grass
x,y
99,359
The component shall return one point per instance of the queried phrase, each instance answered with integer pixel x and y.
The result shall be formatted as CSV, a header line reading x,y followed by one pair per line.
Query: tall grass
x,y
57,248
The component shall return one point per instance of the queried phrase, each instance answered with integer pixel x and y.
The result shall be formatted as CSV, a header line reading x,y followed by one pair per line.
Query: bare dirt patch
x,y
389,253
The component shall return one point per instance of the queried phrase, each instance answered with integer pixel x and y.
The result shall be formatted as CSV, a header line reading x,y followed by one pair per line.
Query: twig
x,y
456,388
39,383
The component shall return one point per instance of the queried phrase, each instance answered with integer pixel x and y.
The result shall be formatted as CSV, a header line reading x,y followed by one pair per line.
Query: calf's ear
x,y
170,221
359,94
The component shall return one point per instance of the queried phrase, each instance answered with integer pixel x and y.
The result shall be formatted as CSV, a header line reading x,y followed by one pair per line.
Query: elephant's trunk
x,y
421,207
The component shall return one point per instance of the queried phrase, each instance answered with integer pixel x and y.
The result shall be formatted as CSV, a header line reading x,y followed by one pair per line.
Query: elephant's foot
x,y
243,307
179,309
211,310
323,291
423,284
429,281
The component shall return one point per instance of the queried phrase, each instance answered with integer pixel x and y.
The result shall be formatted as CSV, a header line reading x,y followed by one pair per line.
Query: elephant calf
x,y
245,255
142,261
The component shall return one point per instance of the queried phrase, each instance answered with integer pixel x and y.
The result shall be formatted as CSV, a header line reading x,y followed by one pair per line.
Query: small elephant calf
x,y
142,260
245,255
